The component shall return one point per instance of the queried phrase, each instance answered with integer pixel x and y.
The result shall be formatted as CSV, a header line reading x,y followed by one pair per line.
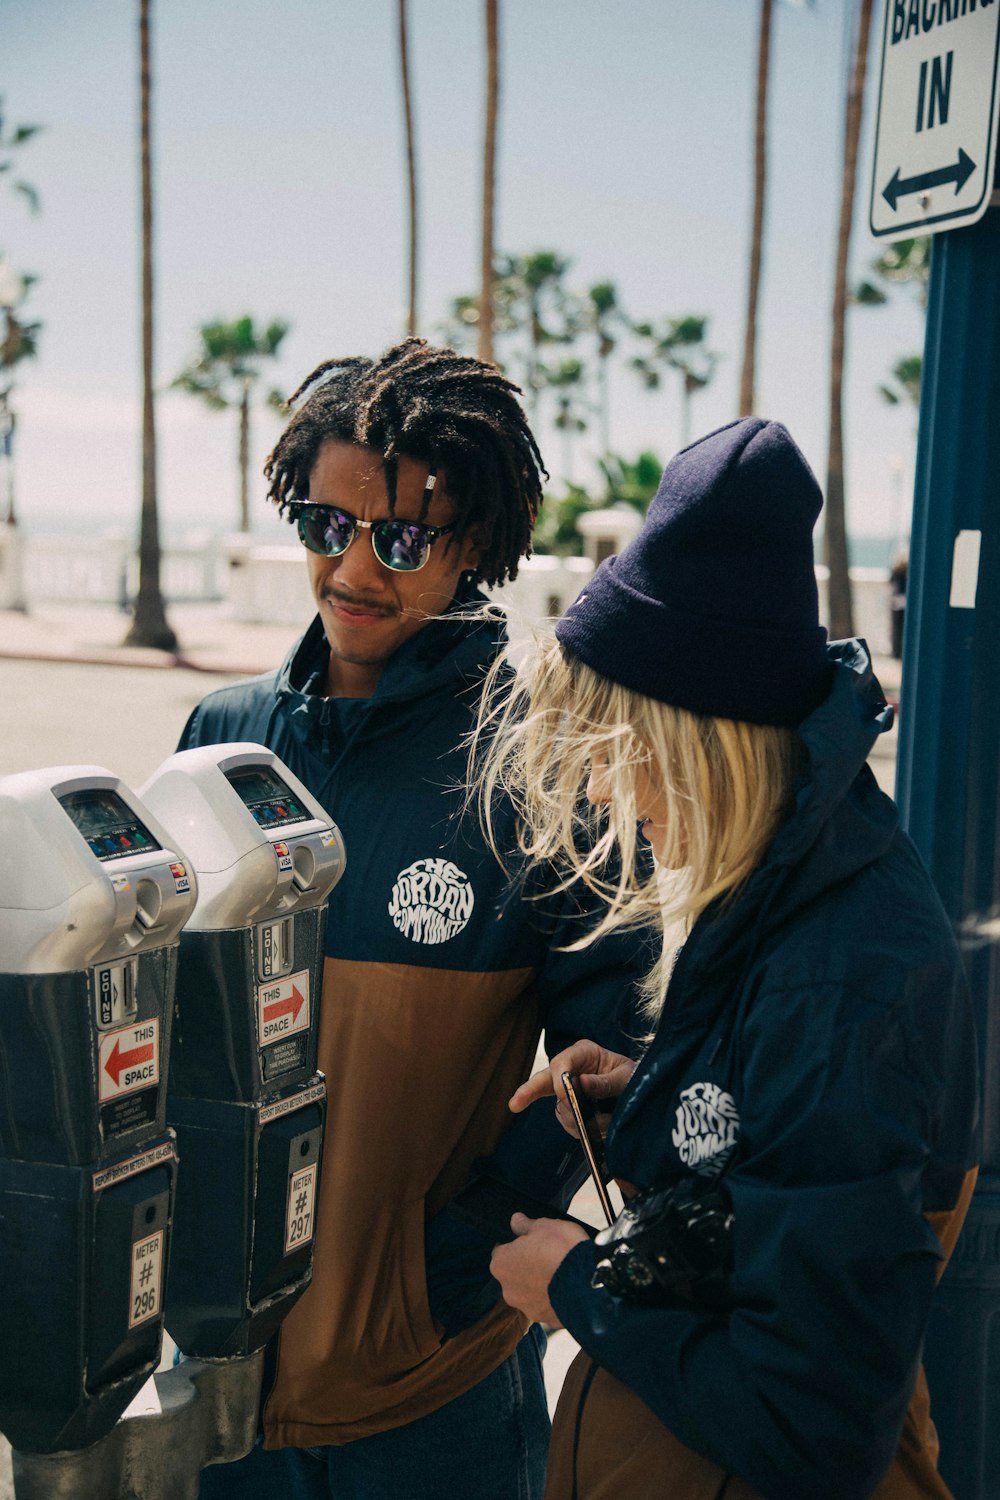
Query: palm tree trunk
x,y
839,611
757,232
604,400
411,171
485,344
245,457
149,622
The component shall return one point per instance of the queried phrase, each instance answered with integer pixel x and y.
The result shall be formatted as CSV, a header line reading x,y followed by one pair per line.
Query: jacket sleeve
x,y
587,992
802,1388
590,992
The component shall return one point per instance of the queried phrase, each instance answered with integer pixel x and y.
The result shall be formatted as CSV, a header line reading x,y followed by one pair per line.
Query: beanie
x,y
713,606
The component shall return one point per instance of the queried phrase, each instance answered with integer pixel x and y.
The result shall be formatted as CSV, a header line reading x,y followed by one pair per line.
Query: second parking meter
x,y
93,894
245,1098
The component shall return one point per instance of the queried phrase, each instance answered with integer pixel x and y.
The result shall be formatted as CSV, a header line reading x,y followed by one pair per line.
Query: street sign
x,y
936,132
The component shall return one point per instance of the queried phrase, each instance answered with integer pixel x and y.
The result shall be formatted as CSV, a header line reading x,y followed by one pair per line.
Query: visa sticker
x,y
282,855
181,881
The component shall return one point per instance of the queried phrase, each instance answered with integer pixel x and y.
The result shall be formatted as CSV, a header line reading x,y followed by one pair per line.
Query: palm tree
x,y
225,371
18,339
411,170
631,481
149,620
757,233
603,311
678,344
10,143
567,381
835,530
905,380
907,262
486,293
534,297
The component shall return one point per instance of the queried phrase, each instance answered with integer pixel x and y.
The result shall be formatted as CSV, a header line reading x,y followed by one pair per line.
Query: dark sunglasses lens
x,y
401,545
324,530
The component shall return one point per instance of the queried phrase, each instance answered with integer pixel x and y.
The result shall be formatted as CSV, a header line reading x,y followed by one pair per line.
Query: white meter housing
x,y
261,844
88,874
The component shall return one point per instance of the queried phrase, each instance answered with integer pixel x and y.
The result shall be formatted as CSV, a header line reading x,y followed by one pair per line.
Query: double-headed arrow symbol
x,y
959,173
118,1061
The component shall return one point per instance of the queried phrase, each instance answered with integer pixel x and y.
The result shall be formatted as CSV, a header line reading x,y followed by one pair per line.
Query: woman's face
x,y
651,804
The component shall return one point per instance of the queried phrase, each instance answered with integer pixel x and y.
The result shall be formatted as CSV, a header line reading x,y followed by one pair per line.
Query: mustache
x,y
357,601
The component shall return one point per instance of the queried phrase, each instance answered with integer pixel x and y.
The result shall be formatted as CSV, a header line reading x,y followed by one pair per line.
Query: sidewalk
x,y
92,635
210,641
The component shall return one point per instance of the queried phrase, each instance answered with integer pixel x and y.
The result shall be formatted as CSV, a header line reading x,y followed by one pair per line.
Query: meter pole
x,y
948,780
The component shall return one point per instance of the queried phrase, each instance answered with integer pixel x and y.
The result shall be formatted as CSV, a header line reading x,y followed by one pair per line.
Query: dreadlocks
x,y
457,413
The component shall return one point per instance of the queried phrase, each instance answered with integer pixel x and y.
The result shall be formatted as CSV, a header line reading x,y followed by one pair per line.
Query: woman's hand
x,y
598,1073
526,1265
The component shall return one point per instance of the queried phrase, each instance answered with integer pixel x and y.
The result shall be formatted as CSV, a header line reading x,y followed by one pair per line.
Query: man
x,y
411,478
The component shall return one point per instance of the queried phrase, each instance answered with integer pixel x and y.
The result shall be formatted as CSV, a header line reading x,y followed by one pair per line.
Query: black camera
x,y
670,1243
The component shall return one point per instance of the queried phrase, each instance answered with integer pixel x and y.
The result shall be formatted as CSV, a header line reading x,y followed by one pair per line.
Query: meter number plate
x,y
301,1207
146,1280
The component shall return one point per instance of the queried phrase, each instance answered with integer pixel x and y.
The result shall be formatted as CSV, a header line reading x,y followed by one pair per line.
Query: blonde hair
x,y
727,785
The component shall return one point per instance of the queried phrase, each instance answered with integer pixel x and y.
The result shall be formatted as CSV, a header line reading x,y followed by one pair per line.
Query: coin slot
x,y
303,867
148,902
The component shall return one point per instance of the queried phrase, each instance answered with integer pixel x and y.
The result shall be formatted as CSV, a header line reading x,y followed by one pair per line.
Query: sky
x,y
626,145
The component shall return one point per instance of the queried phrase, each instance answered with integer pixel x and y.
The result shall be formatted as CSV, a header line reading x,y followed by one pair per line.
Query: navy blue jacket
x,y
818,1027
439,975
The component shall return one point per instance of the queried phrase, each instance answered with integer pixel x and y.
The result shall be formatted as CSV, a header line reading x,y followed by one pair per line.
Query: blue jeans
x,y
489,1442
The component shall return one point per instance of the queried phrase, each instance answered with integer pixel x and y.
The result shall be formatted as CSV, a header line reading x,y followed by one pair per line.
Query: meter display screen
x,y
267,799
108,824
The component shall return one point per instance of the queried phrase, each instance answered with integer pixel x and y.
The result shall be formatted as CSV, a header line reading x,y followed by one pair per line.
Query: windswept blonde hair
x,y
727,785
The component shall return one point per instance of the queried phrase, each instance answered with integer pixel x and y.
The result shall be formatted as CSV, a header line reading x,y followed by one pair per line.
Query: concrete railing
x,y
267,584
104,569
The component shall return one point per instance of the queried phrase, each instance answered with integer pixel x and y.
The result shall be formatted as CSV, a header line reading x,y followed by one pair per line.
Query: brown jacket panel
x,y
360,1352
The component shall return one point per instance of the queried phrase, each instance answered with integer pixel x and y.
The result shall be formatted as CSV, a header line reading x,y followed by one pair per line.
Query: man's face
x,y
368,610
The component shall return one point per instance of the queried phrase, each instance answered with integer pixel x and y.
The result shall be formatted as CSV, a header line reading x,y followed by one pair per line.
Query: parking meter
x,y
245,1099
93,894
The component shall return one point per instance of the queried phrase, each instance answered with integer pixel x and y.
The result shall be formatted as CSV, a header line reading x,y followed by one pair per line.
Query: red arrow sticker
x,y
129,1060
283,1007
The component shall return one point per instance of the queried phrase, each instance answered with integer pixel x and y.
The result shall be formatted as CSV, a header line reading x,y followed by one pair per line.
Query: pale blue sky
x,y
625,143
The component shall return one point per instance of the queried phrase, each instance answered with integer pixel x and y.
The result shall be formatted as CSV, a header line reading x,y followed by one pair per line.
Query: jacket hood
x,y
448,656
840,820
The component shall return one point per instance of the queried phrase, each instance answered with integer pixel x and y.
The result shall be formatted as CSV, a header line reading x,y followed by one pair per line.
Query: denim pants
x,y
488,1444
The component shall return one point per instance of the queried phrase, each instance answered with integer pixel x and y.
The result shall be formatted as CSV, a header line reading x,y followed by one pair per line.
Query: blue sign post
x,y
948,784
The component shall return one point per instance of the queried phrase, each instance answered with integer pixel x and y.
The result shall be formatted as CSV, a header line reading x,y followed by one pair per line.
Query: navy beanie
x,y
713,606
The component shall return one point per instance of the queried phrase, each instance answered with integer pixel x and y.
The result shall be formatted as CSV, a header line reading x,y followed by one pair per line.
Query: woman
x,y
811,1070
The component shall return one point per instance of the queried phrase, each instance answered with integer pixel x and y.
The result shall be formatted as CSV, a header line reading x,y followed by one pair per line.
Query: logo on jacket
x,y
432,900
707,1129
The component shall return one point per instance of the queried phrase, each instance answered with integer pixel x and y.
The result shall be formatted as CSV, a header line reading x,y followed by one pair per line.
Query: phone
x,y
583,1117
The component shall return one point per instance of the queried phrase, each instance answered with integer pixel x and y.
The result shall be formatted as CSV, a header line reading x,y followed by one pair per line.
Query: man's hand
x,y
600,1075
525,1267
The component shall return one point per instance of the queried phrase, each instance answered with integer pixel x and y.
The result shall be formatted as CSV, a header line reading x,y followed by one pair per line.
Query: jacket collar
x,y
449,655
839,822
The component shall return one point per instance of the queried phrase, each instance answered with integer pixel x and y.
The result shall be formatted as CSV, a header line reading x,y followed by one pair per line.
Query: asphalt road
x,y
130,718
125,718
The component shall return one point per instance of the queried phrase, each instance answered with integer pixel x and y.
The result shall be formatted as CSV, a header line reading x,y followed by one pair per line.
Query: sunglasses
x,y
402,546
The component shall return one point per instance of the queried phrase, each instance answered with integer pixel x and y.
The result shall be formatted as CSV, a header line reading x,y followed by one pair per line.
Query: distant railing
x,y
267,584
104,569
